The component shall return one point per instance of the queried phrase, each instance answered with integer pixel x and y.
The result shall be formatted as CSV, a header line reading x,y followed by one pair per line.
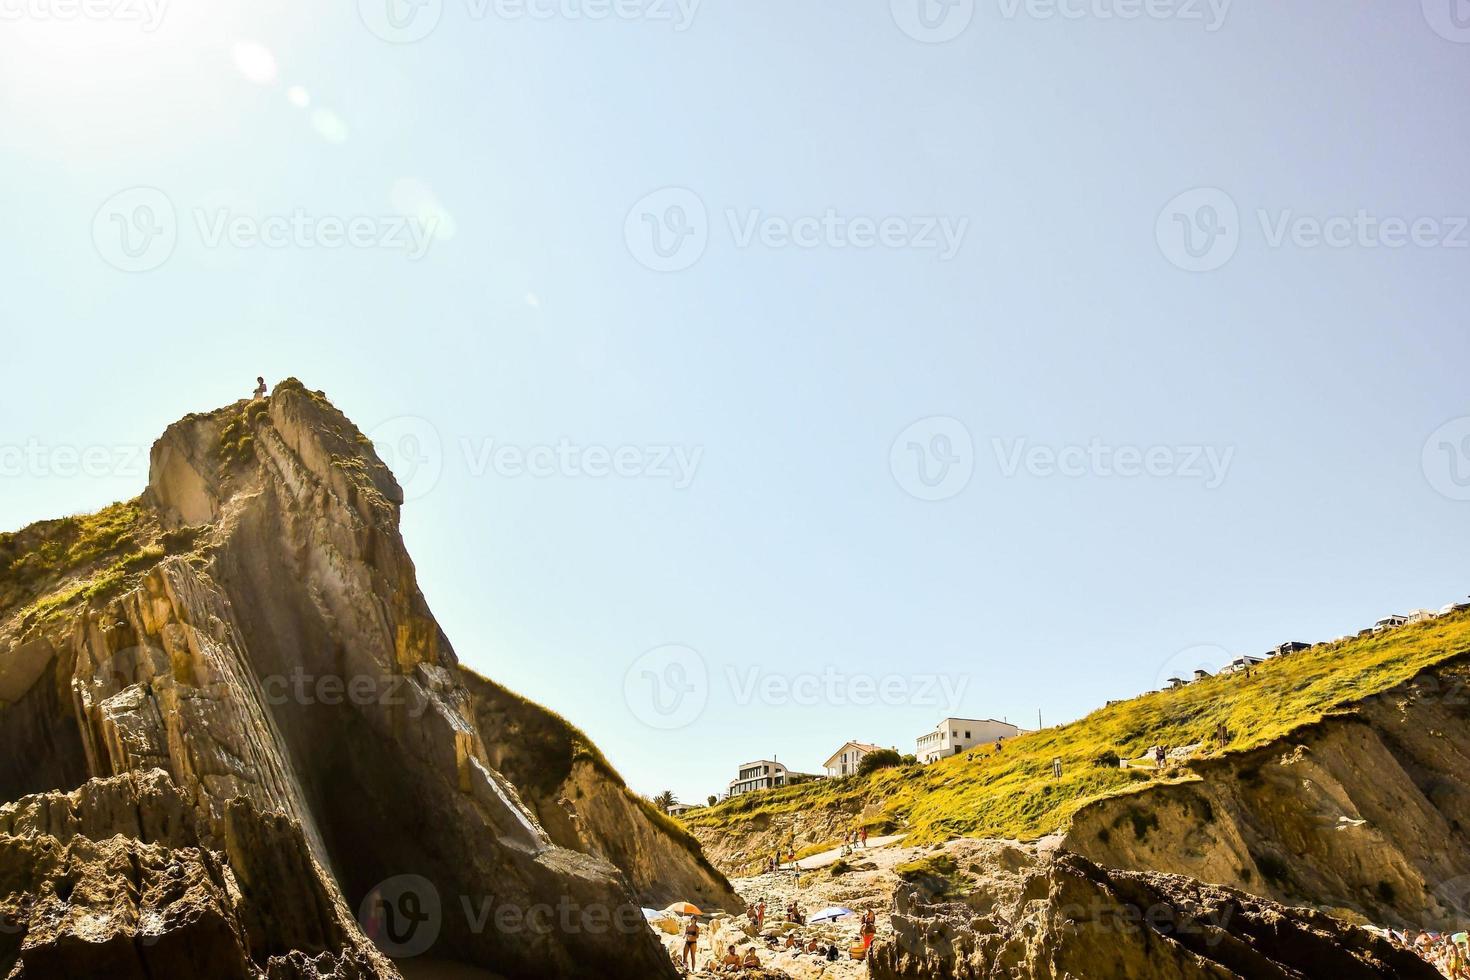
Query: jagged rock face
x,y
287,678
1359,813
584,805
123,878
1052,916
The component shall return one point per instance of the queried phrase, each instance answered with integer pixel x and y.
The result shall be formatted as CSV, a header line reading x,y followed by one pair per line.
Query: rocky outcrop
x,y
1363,813
1027,914
584,804
124,877
310,744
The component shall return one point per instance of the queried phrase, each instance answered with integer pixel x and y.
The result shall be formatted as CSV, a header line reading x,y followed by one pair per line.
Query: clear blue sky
x,y
1054,146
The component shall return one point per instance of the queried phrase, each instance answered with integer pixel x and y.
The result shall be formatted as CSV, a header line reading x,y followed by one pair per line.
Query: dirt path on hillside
x,y
814,861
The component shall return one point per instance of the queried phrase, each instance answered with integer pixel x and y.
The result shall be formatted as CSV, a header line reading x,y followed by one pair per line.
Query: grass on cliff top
x,y
46,567
1012,793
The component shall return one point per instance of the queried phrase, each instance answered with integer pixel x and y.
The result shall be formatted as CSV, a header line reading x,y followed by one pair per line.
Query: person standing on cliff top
x,y
260,388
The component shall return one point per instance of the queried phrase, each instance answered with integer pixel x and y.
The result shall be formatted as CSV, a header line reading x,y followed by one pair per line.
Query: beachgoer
x,y
863,834
260,388
752,961
691,942
760,915
732,959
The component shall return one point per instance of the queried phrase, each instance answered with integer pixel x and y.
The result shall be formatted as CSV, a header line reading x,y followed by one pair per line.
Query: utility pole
x,y
1038,719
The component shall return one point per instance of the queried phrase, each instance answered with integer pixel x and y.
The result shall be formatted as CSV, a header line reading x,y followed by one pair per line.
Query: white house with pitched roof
x,y
844,762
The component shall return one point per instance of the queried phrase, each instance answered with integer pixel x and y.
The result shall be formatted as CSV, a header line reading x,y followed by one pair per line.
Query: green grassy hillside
x,y
1013,793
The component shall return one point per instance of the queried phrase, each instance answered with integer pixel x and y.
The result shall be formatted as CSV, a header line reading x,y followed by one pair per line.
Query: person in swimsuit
x,y
691,943
260,388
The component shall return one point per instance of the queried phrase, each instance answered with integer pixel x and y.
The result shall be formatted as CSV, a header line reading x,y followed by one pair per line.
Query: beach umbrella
x,y
833,912
684,908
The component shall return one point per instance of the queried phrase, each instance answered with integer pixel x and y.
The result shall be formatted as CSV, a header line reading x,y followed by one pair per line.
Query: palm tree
x,y
665,800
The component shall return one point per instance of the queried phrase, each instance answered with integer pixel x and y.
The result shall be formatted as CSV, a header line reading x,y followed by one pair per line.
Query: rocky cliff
x,y
238,744
1366,812
584,805
1001,910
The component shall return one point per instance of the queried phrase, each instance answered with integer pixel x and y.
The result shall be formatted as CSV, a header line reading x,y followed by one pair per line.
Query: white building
x,y
1422,615
679,809
760,774
844,762
955,735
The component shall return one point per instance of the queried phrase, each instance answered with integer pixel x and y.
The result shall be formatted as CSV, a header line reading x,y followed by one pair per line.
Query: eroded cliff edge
x,y
246,647
1366,812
